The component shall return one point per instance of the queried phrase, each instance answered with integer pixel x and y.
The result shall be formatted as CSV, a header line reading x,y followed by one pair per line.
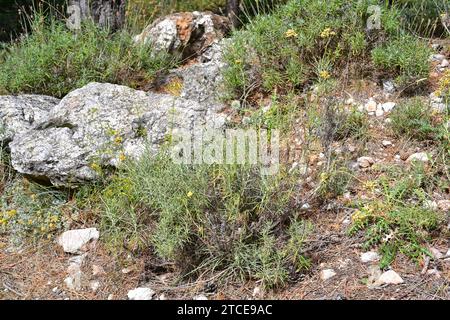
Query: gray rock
x,y
388,106
388,86
22,113
185,34
369,256
443,205
327,274
141,294
203,82
420,156
73,241
99,125
390,277
365,162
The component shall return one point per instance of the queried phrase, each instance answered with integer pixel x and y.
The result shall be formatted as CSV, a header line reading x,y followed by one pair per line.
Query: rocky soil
x,y
65,142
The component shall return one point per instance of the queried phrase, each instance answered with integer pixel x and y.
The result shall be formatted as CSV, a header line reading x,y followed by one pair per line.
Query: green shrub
x,y
52,60
413,119
406,58
300,42
206,218
397,221
29,209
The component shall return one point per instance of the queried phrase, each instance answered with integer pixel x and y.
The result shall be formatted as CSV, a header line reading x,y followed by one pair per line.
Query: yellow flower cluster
x,y
6,216
290,33
324,75
359,216
444,85
326,33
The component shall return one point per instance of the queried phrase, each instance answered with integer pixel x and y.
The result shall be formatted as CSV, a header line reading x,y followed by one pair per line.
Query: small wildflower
x,y
122,157
11,213
189,194
290,33
358,216
118,140
326,33
324,75
238,61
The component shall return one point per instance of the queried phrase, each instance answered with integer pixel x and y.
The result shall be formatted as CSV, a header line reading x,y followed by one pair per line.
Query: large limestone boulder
x,y
185,34
22,113
99,126
201,81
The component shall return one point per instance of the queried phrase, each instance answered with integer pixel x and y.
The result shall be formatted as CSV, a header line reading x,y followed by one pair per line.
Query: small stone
x,y
379,112
437,57
434,97
327,274
73,240
374,275
305,206
365,162
436,253
388,106
127,270
73,283
371,106
439,107
420,156
369,256
98,270
141,294
386,143
390,277
388,120
434,272
445,63
257,292
350,101
351,148
388,86
110,297
78,260
443,205
200,297
162,296
430,205
94,285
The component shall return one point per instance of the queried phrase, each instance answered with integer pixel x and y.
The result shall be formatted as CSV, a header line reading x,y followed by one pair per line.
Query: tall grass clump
x,y
424,17
54,60
207,218
405,58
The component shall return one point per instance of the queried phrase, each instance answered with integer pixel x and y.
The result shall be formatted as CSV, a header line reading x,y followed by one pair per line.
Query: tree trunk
x,y
233,12
105,13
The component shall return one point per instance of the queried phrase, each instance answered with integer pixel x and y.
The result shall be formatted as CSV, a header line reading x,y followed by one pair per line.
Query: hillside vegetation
x,y
308,68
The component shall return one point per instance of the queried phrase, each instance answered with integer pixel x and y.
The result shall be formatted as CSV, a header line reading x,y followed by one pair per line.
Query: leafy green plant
x,y
398,220
205,217
413,119
53,60
406,58
300,41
